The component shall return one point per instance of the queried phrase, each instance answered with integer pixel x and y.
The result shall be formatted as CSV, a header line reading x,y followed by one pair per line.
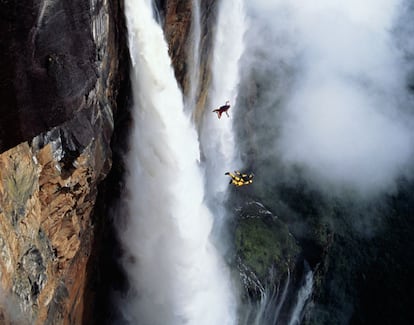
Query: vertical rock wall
x,y
177,22
60,83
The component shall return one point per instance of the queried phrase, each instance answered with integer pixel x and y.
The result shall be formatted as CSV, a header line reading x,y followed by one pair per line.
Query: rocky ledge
x,y
265,249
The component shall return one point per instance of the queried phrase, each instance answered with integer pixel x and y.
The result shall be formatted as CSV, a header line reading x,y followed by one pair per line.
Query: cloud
x,y
339,98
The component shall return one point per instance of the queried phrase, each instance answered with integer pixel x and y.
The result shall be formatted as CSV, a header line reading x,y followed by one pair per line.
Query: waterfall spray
x,y
175,273
267,310
217,136
303,295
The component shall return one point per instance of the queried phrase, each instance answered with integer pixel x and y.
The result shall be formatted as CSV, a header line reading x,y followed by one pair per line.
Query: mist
x,y
337,105
217,140
217,135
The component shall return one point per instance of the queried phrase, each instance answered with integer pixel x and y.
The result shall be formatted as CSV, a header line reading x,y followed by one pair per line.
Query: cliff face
x,y
265,249
60,76
45,231
177,17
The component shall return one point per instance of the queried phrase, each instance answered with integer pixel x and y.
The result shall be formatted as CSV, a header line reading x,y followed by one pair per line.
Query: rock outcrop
x,y
177,19
265,249
60,75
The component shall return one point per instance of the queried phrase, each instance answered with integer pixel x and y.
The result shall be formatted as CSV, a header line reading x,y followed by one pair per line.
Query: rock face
x,y
265,249
177,17
48,66
45,231
60,83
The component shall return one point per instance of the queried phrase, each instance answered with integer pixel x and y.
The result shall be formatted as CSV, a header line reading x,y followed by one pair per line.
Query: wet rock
x,y
30,277
266,250
48,62
60,76
177,19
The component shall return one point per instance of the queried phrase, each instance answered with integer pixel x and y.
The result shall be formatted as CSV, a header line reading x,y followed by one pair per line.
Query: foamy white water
x,y
176,274
267,310
303,295
217,136
281,300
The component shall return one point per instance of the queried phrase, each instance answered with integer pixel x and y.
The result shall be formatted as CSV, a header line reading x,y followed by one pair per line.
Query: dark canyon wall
x,y
60,77
62,68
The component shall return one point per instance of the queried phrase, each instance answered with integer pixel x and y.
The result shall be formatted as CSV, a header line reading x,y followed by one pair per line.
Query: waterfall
x,y
217,136
176,275
281,300
267,310
44,5
303,296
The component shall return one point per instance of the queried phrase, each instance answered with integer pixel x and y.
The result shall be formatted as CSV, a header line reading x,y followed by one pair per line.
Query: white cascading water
x,y
267,310
217,135
43,7
175,273
281,300
303,295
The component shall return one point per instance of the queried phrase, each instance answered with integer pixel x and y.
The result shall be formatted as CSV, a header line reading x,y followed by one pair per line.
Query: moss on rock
x,y
264,244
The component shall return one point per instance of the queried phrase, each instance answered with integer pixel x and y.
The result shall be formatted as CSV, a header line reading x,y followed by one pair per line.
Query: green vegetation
x,y
264,243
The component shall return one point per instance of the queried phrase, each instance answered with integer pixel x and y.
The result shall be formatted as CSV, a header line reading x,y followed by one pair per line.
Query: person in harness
x,y
240,179
223,109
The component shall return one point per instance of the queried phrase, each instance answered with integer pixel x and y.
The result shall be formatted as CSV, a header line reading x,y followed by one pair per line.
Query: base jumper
x,y
222,109
239,179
